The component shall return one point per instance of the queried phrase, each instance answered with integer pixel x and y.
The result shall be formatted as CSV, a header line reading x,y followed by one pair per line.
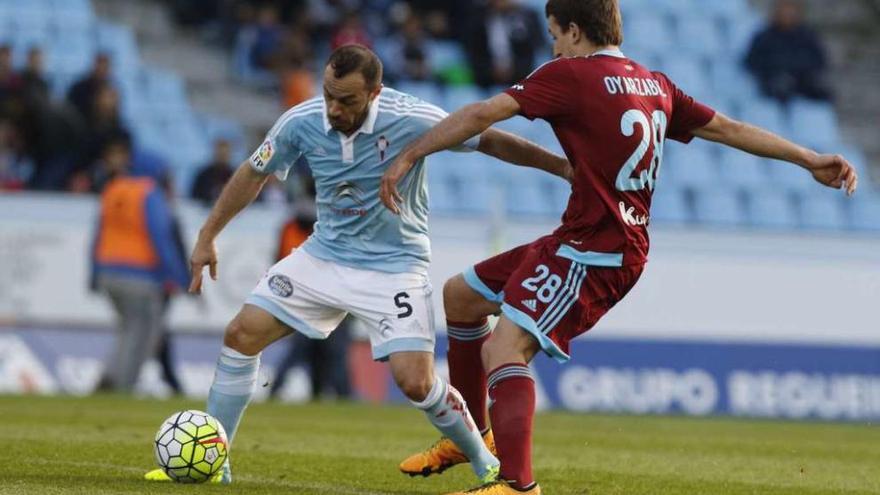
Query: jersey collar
x,y
610,53
366,127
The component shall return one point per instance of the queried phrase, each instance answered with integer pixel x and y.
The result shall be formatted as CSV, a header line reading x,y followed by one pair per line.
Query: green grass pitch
x,y
102,445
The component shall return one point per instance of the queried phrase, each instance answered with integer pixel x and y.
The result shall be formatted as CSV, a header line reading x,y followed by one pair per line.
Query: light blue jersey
x,y
354,228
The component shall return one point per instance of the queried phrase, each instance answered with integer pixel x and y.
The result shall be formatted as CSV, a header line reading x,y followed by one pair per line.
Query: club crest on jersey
x,y
382,145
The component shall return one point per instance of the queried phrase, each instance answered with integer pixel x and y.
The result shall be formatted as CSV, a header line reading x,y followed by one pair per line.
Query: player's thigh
x,y
555,298
396,308
464,304
509,343
299,292
489,277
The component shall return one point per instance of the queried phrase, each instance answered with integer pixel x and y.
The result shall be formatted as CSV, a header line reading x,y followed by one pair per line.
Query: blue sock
x,y
234,381
447,411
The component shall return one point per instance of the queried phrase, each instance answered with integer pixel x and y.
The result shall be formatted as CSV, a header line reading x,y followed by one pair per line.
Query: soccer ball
x,y
190,446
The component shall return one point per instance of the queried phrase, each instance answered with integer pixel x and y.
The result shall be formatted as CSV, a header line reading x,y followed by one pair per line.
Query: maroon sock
x,y
512,390
466,372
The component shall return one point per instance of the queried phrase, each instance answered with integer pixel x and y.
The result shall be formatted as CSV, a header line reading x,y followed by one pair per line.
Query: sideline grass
x,y
102,445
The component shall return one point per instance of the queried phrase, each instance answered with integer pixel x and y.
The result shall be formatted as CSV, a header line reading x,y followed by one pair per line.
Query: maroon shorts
x,y
552,290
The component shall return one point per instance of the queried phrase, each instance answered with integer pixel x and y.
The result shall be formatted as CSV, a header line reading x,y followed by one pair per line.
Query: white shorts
x,y
313,296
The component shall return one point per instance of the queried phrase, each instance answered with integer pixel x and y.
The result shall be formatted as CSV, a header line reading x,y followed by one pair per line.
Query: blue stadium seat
x,y
727,11
689,75
767,114
823,211
699,35
649,32
865,212
164,88
719,206
730,79
426,91
118,41
791,178
669,206
814,124
772,209
692,167
442,54
743,170
459,96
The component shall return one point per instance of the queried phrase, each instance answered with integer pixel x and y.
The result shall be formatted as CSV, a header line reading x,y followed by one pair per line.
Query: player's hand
x,y
388,192
204,253
834,171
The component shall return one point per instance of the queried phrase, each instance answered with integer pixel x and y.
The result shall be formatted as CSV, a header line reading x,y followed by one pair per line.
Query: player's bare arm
x,y
829,170
452,131
240,191
518,151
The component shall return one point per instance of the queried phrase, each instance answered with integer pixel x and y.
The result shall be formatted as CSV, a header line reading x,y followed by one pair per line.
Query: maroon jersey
x,y
611,116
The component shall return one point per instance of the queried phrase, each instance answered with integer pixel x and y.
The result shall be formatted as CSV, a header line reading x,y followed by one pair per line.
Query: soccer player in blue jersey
x,y
362,259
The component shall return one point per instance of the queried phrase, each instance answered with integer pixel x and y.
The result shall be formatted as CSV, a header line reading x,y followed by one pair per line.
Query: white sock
x,y
234,381
447,411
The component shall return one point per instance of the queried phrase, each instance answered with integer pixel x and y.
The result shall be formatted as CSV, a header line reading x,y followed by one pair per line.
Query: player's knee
x,y
415,388
244,338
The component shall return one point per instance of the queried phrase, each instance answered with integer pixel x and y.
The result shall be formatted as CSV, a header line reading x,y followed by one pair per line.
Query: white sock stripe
x,y
563,310
468,334
559,295
509,372
438,391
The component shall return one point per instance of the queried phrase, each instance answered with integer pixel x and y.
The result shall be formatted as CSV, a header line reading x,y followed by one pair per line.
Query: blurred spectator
x,y
137,261
103,124
10,82
213,176
326,360
351,32
33,79
502,41
14,168
82,94
787,56
414,51
113,160
268,35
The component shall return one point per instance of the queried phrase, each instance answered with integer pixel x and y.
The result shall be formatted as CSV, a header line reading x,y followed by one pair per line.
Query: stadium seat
x,y
814,124
164,88
865,212
459,96
119,42
823,211
766,113
689,75
731,80
693,167
791,178
699,35
743,170
669,206
442,54
772,209
719,206
426,91
649,32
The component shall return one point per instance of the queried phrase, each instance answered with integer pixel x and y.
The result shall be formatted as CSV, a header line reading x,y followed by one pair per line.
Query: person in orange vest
x,y
136,261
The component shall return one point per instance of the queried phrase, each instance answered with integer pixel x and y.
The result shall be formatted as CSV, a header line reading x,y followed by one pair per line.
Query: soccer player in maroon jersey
x,y
611,116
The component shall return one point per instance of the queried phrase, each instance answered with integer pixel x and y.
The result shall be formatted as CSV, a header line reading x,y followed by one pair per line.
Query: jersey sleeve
x,y
279,151
687,114
544,94
425,116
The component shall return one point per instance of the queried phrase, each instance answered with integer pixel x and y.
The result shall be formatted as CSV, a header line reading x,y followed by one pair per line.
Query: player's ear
x,y
574,32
